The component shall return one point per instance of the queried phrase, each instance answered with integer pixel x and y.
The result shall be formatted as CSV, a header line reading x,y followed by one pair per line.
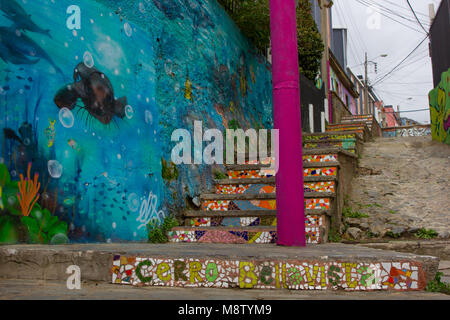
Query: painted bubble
x,y
129,112
141,7
59,238
55,169
148,117
133,202
128,29
88,60
66,118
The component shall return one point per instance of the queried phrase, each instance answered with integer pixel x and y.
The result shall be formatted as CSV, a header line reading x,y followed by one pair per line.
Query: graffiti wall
x,y
89,97
409,131
440,110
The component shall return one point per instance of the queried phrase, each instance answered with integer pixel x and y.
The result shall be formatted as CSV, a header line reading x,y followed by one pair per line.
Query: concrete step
x,y
316,267
259,196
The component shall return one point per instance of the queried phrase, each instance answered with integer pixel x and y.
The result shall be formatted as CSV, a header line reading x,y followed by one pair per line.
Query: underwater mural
x,y
89,97
440,110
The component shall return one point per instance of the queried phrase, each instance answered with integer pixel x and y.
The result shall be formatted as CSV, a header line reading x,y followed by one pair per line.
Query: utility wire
x,y
415,15
401,62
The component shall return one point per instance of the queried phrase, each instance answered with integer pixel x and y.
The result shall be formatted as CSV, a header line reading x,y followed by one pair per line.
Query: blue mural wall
x,y
89,97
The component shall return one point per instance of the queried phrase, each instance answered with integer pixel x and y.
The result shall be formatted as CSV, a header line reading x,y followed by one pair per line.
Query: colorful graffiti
x,y
256,274
440,110
90,95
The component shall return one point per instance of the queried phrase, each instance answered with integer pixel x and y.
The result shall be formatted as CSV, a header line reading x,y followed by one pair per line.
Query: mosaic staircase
x,y
242,208
368,120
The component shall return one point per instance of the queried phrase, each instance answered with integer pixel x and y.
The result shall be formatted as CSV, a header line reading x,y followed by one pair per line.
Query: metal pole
x,y
287,119
366,88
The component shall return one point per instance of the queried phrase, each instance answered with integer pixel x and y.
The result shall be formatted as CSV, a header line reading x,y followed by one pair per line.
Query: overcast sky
x,y
414,78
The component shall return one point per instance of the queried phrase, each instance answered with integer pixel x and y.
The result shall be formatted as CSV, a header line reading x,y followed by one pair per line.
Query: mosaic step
x,y
236,235
320,268
329,169
349,145
334,136
317,186
313,201
223,220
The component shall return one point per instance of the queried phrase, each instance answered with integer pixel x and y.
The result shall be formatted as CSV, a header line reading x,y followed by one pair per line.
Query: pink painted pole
x,y
287,119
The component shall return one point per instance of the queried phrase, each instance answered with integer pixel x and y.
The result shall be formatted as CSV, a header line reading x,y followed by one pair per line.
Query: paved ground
x,y
410,190
56,290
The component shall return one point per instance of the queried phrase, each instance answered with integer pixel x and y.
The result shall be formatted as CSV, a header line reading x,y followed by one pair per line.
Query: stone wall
x,y
338,108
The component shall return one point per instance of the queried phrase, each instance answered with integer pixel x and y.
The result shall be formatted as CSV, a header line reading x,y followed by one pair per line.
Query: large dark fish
x,y
14,12
95,90
171,9
21,46
199,14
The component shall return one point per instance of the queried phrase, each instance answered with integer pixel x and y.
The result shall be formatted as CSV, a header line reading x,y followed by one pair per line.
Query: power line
x,y
415,15
401,62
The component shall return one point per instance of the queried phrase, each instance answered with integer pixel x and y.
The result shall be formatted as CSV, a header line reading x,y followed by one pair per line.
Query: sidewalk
x,y
49,290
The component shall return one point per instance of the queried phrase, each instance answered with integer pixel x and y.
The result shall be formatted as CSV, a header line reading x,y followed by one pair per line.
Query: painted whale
x,y
14,12
95,90
19,48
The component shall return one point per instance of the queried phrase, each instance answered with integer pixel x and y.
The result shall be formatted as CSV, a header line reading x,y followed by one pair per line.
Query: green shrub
x,y
437,286
349,213
253,18
158,232
426,234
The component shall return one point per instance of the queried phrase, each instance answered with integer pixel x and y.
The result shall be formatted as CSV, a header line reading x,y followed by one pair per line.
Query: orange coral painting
x,y
28,191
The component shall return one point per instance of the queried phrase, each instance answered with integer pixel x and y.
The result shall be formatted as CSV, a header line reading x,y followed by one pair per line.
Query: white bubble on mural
x,y
66,118
148,117
141,7
128,29
129,112
88,60
55,169
133,202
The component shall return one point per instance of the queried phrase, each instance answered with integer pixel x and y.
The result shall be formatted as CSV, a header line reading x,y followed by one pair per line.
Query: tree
x,y
253,18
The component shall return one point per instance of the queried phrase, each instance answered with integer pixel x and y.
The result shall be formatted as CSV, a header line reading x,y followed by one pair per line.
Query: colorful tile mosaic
x,y
268,274
318,172
318,204
328,186
320,158
229,205
311,221
349,146
331,137
251,174
220,236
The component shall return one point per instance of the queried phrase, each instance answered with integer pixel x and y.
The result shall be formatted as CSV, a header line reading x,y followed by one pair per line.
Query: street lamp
x,y
366,81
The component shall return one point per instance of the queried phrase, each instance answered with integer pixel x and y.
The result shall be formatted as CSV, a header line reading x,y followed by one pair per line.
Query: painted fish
x,y
50,133
96,91
74,145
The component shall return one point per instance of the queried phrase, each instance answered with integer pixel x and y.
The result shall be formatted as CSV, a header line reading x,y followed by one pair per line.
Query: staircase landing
x,y
316,267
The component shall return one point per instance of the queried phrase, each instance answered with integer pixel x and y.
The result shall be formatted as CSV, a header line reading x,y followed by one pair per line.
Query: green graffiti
x,y
440,109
